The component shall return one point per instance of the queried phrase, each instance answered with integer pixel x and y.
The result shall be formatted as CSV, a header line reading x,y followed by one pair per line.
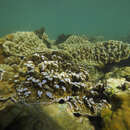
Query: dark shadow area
x,y
61,38
116,103
107,68
26,117
39,32
96,121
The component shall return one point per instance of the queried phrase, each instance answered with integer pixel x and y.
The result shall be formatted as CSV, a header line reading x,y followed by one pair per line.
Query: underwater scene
x,y
64,65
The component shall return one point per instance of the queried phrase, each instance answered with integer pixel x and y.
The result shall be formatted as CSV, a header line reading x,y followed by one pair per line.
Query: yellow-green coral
x,y
98,54
23,43
111,51
76,39
6,72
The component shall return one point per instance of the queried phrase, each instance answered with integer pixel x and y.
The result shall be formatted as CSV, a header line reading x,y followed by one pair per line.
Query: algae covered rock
x,y
22,43
118,116
42,117
7,91
116,85
119,72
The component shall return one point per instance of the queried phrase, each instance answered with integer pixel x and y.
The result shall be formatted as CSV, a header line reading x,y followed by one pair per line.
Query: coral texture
x,y
23,43
99,54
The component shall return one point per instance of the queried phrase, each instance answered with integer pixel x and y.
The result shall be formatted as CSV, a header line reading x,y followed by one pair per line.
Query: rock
x,y
42,117
114,85
119,72
118,116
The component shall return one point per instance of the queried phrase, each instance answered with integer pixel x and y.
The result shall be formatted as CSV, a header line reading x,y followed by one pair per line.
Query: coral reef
x,y
95,39
73,39
112,51
43,36
77,77
51,77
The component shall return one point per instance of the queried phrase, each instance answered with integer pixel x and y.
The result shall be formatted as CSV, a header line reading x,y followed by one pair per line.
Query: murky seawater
x,y
108,18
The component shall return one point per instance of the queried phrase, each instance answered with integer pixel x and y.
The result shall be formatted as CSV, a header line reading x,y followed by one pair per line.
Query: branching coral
x,y
47,76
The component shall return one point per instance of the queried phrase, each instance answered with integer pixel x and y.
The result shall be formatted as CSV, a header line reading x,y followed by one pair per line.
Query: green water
x,y
93,17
